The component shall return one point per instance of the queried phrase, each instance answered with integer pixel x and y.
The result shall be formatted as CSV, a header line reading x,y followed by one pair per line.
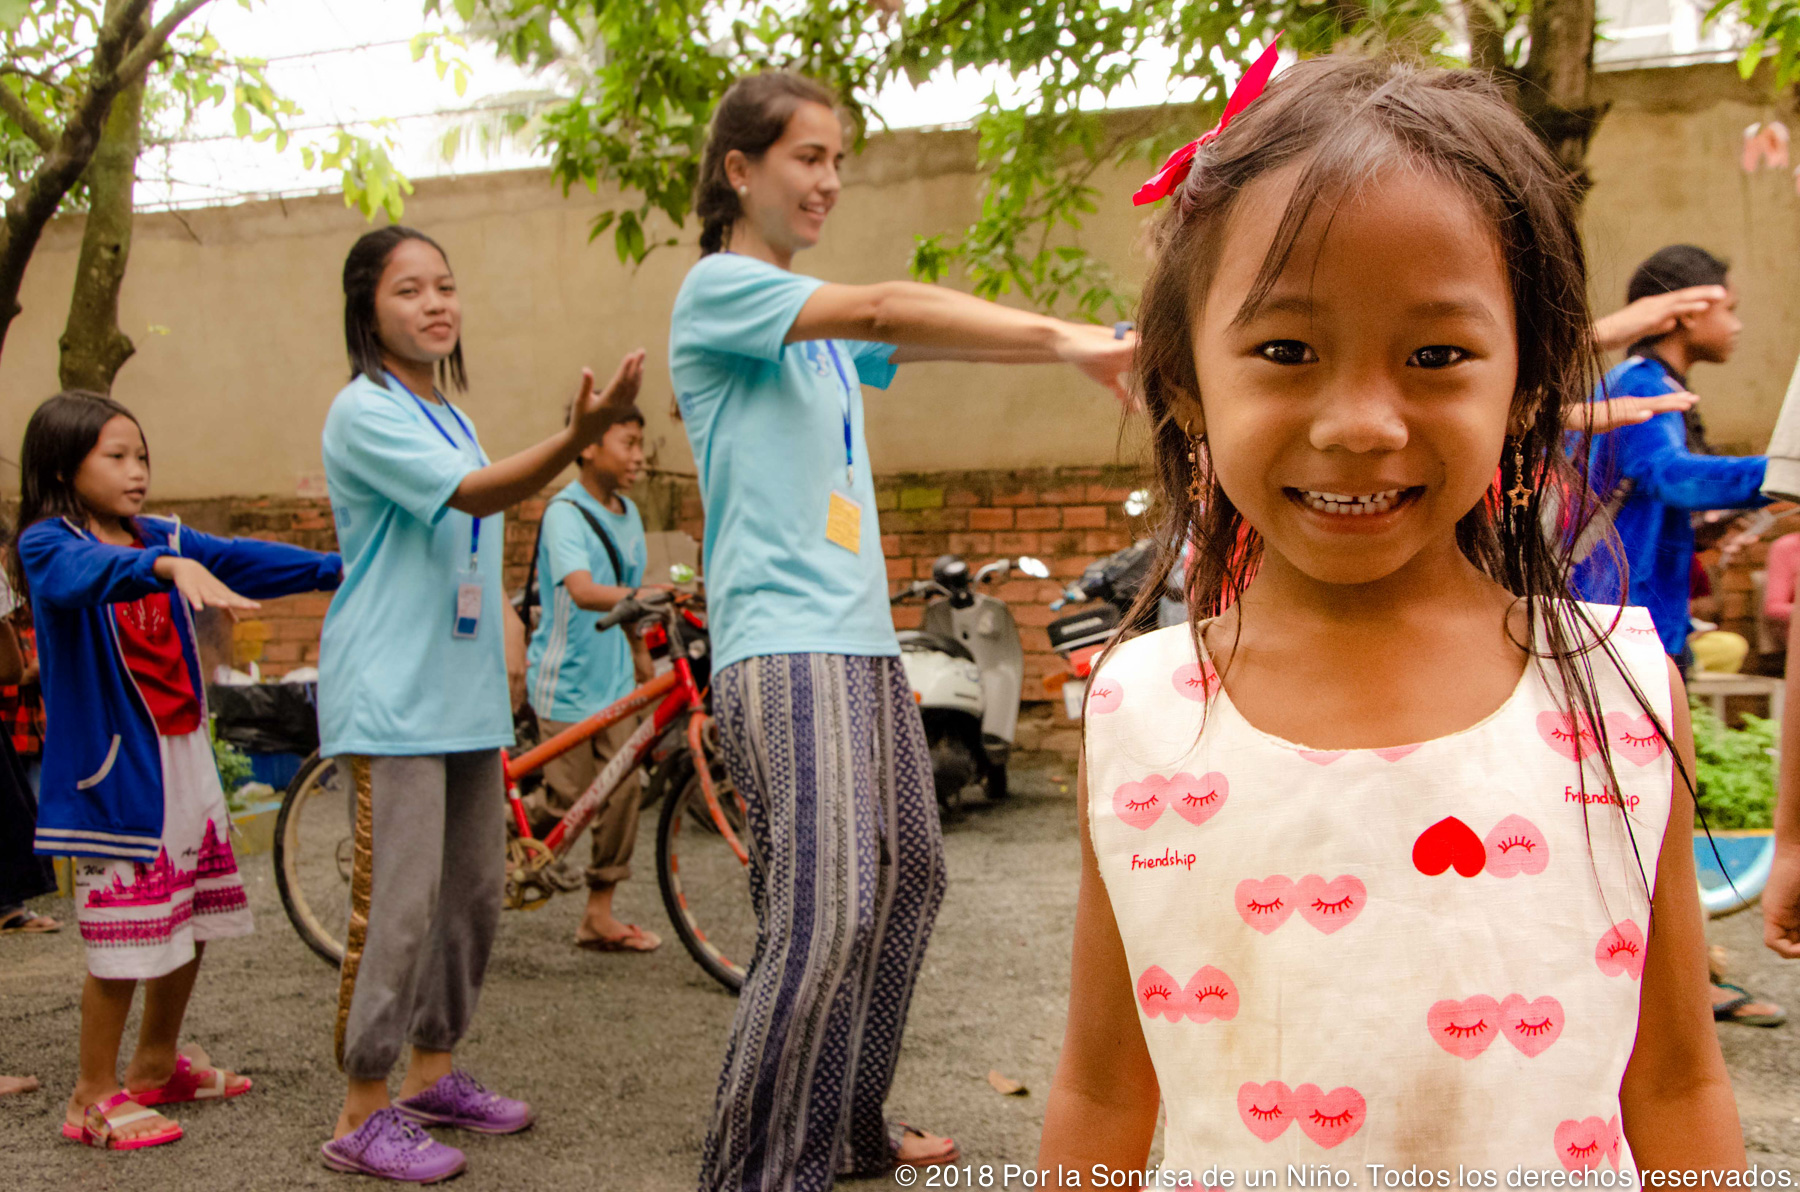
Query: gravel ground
x,y
620,1053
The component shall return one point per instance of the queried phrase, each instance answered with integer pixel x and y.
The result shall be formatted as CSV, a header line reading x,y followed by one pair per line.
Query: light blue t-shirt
x,y
576,671
392,678
766,421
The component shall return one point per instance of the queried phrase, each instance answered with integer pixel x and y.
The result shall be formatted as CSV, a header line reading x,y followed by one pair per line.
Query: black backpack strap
x,y
612,555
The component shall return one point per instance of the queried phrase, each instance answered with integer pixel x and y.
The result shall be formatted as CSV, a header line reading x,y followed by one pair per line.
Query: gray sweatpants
x,y
425,890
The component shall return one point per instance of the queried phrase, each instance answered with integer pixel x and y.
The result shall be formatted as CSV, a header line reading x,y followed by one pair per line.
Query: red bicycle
x,y
702,846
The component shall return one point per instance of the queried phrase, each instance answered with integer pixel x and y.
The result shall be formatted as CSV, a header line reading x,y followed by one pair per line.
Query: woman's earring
x,y
1196,489
1520,493
743,190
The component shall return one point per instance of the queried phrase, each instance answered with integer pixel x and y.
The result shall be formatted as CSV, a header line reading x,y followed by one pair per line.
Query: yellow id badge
x,y
843,523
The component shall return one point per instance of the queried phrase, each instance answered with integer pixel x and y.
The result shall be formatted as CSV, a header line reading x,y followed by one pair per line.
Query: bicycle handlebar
x,y
630,609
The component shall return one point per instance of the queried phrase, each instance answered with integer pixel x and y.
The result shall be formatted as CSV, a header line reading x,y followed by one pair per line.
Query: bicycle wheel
x,y
314,848
705,888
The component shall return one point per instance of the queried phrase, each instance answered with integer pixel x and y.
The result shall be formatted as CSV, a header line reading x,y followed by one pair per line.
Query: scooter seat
x,y
920,639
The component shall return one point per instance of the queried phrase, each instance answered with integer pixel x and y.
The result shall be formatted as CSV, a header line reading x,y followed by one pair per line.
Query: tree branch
x,y
138,61
14,109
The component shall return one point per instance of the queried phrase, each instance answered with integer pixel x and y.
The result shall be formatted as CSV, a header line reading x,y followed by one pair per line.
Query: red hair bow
x,y
1175,171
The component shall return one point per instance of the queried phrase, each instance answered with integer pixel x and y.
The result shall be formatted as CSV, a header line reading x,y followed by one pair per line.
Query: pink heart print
x,y
1514,846
1321,757
1157,994
1571,736
1329,1118
1620,951
1196,681
1140,804
1329,905
1265,903
1197,800
1581,1145
1635,738
1104,695
1531,1026
1266,1108
1465,1028
1396,753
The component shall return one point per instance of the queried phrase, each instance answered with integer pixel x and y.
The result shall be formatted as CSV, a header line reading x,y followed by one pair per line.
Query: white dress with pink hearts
x,y
1423,955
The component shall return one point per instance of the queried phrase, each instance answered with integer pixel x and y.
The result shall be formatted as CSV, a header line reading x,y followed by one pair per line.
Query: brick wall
x,y
1067,517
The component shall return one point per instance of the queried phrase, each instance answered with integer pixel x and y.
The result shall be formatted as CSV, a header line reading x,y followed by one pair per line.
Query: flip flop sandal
x,y
186,1085
1728,1011
99,1128
635,939
26,923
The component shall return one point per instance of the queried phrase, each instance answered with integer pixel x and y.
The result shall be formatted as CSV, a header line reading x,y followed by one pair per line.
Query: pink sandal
x,y
186,1085
99,1128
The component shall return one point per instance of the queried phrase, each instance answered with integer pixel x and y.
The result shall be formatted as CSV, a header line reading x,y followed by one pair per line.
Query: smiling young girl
x,y
1437,900
129,787
413,675
816,717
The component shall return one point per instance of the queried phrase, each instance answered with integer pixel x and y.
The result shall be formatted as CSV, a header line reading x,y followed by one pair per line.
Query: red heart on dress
x,y
1531,1026
1620,951
1211,994
1265,903
1448,842
1581,1145
1197,800
1329,905
1266,1108
1516,846
1634,737
1329,1118
1157,994
1465,1028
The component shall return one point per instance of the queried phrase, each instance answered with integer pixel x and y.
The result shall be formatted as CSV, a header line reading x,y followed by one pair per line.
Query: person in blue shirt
x,y
1654,474
819,728
414,663
576,671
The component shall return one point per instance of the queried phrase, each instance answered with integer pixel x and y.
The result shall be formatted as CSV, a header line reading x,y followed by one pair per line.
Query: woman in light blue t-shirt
x,y
414,663
818,723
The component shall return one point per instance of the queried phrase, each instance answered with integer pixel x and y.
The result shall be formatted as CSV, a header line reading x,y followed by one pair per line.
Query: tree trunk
x,y
1554,83
93,347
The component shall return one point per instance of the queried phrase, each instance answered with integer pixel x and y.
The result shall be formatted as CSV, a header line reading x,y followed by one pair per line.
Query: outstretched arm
x,y
1656,314
927,322
1679,1113
1656,457
1103,1100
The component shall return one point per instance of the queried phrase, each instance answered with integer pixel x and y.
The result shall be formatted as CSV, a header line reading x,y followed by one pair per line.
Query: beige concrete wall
x,y
236,311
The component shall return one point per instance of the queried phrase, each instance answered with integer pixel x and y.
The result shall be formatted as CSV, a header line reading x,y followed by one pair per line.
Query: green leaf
x,y
13,13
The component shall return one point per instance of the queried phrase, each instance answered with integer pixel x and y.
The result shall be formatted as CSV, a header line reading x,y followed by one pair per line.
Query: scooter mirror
x,y
1137,503
1033,567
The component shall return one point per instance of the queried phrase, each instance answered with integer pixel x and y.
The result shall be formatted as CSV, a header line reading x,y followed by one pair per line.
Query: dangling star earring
x,y
1196,490
1520,493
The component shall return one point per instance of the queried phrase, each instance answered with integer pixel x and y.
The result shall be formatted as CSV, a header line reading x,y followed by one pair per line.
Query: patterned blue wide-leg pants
x,y
830,756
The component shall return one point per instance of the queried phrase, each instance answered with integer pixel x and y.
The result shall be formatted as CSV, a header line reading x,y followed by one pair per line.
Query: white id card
x,y
468,608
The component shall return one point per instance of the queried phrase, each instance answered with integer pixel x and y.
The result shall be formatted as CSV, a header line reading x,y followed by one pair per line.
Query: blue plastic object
x,y
276,769
1747,859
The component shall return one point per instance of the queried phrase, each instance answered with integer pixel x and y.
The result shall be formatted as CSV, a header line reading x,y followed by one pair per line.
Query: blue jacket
x,y
1667,482
101,793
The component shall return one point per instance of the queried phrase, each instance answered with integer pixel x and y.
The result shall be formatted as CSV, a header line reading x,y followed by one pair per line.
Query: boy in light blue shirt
x,y
575,671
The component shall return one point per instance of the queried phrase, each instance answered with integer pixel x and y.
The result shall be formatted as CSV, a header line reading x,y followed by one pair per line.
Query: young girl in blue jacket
x,y
129,787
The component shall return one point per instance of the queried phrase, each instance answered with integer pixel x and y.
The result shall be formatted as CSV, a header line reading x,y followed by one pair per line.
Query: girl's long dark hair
x,y
362,276
61,433
1346,120
750,117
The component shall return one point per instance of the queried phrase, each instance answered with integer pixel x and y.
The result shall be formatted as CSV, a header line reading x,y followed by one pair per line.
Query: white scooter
x,y
966,668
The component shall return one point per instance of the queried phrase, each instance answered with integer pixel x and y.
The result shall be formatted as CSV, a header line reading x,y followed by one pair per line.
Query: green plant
x,y
1735,769
234,770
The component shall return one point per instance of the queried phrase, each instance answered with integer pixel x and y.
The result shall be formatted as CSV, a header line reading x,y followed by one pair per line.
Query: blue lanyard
x,y
474,522
849,450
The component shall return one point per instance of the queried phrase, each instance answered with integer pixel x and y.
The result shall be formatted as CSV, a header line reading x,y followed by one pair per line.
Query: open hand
x,y
200,587
1781,903
1656,314
1103,356
1598,417
590,409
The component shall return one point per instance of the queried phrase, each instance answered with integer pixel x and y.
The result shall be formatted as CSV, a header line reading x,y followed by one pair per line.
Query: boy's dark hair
x,y
61,433
1675,268
363,268
613,418
750,117
1344,121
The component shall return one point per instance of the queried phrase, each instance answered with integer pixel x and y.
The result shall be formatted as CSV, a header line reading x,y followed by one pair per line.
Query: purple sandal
x,y
389,1146
461,1102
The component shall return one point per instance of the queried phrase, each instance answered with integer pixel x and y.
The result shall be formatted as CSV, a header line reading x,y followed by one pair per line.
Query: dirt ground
x,y
620,1053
